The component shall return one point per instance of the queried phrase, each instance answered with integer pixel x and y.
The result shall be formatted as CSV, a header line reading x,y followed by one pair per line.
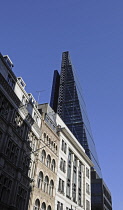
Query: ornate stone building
x,y
28,147
20,132
44,189
42,165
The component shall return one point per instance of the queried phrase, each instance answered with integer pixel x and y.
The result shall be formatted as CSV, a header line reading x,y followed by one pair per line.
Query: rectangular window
x,y
61,186
87,172
11,81
59,206
63,165
5,188
64,146
87,188
87,205
68,189
12,151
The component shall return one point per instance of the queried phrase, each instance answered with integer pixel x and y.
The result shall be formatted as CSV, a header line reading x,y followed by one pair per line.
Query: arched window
x,y
51,187
46,184
49,208
48,161
43,206
37,205
40,180
47,140
51,144
53,165
43,156
56,149
44,137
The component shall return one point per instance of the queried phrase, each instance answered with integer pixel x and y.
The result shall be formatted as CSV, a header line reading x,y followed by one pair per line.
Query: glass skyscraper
x,y
67,101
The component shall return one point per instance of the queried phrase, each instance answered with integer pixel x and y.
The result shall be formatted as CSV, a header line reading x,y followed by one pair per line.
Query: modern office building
x,y
67,101
101,197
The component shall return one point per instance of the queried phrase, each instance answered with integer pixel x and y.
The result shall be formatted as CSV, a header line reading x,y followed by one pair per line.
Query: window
x,y
46,184
53,165
87,188
68,189
59,206
5,108
87,172
21,198
56,149
37,205
24,101
51,187
43,156
64,146
63,165
10,81
61,186
19,125
5,188
47,140
43,206
35,117
79,183
12,151
48,161
87,205
44,137
40,180
49,208
52,145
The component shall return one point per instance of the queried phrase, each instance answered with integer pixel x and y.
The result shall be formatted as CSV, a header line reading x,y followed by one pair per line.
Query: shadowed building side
x,y
55,91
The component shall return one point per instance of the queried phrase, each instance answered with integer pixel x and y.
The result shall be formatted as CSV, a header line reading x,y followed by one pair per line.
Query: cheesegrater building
x,y
67,101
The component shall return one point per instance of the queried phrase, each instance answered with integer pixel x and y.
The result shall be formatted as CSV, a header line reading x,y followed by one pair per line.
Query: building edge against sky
x,y
34,167
67,101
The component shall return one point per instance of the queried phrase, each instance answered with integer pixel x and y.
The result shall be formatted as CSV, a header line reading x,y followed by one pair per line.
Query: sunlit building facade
x,y
73,185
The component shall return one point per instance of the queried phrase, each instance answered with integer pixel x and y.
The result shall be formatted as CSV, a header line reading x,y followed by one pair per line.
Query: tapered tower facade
x,y
71,107
68,102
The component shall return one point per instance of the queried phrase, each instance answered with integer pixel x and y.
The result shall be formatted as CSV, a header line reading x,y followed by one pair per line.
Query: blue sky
x,y
35,33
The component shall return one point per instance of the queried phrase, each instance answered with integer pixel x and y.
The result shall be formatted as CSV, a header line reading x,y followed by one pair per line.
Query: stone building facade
x,y
44,189
74,168
20,132
72,187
